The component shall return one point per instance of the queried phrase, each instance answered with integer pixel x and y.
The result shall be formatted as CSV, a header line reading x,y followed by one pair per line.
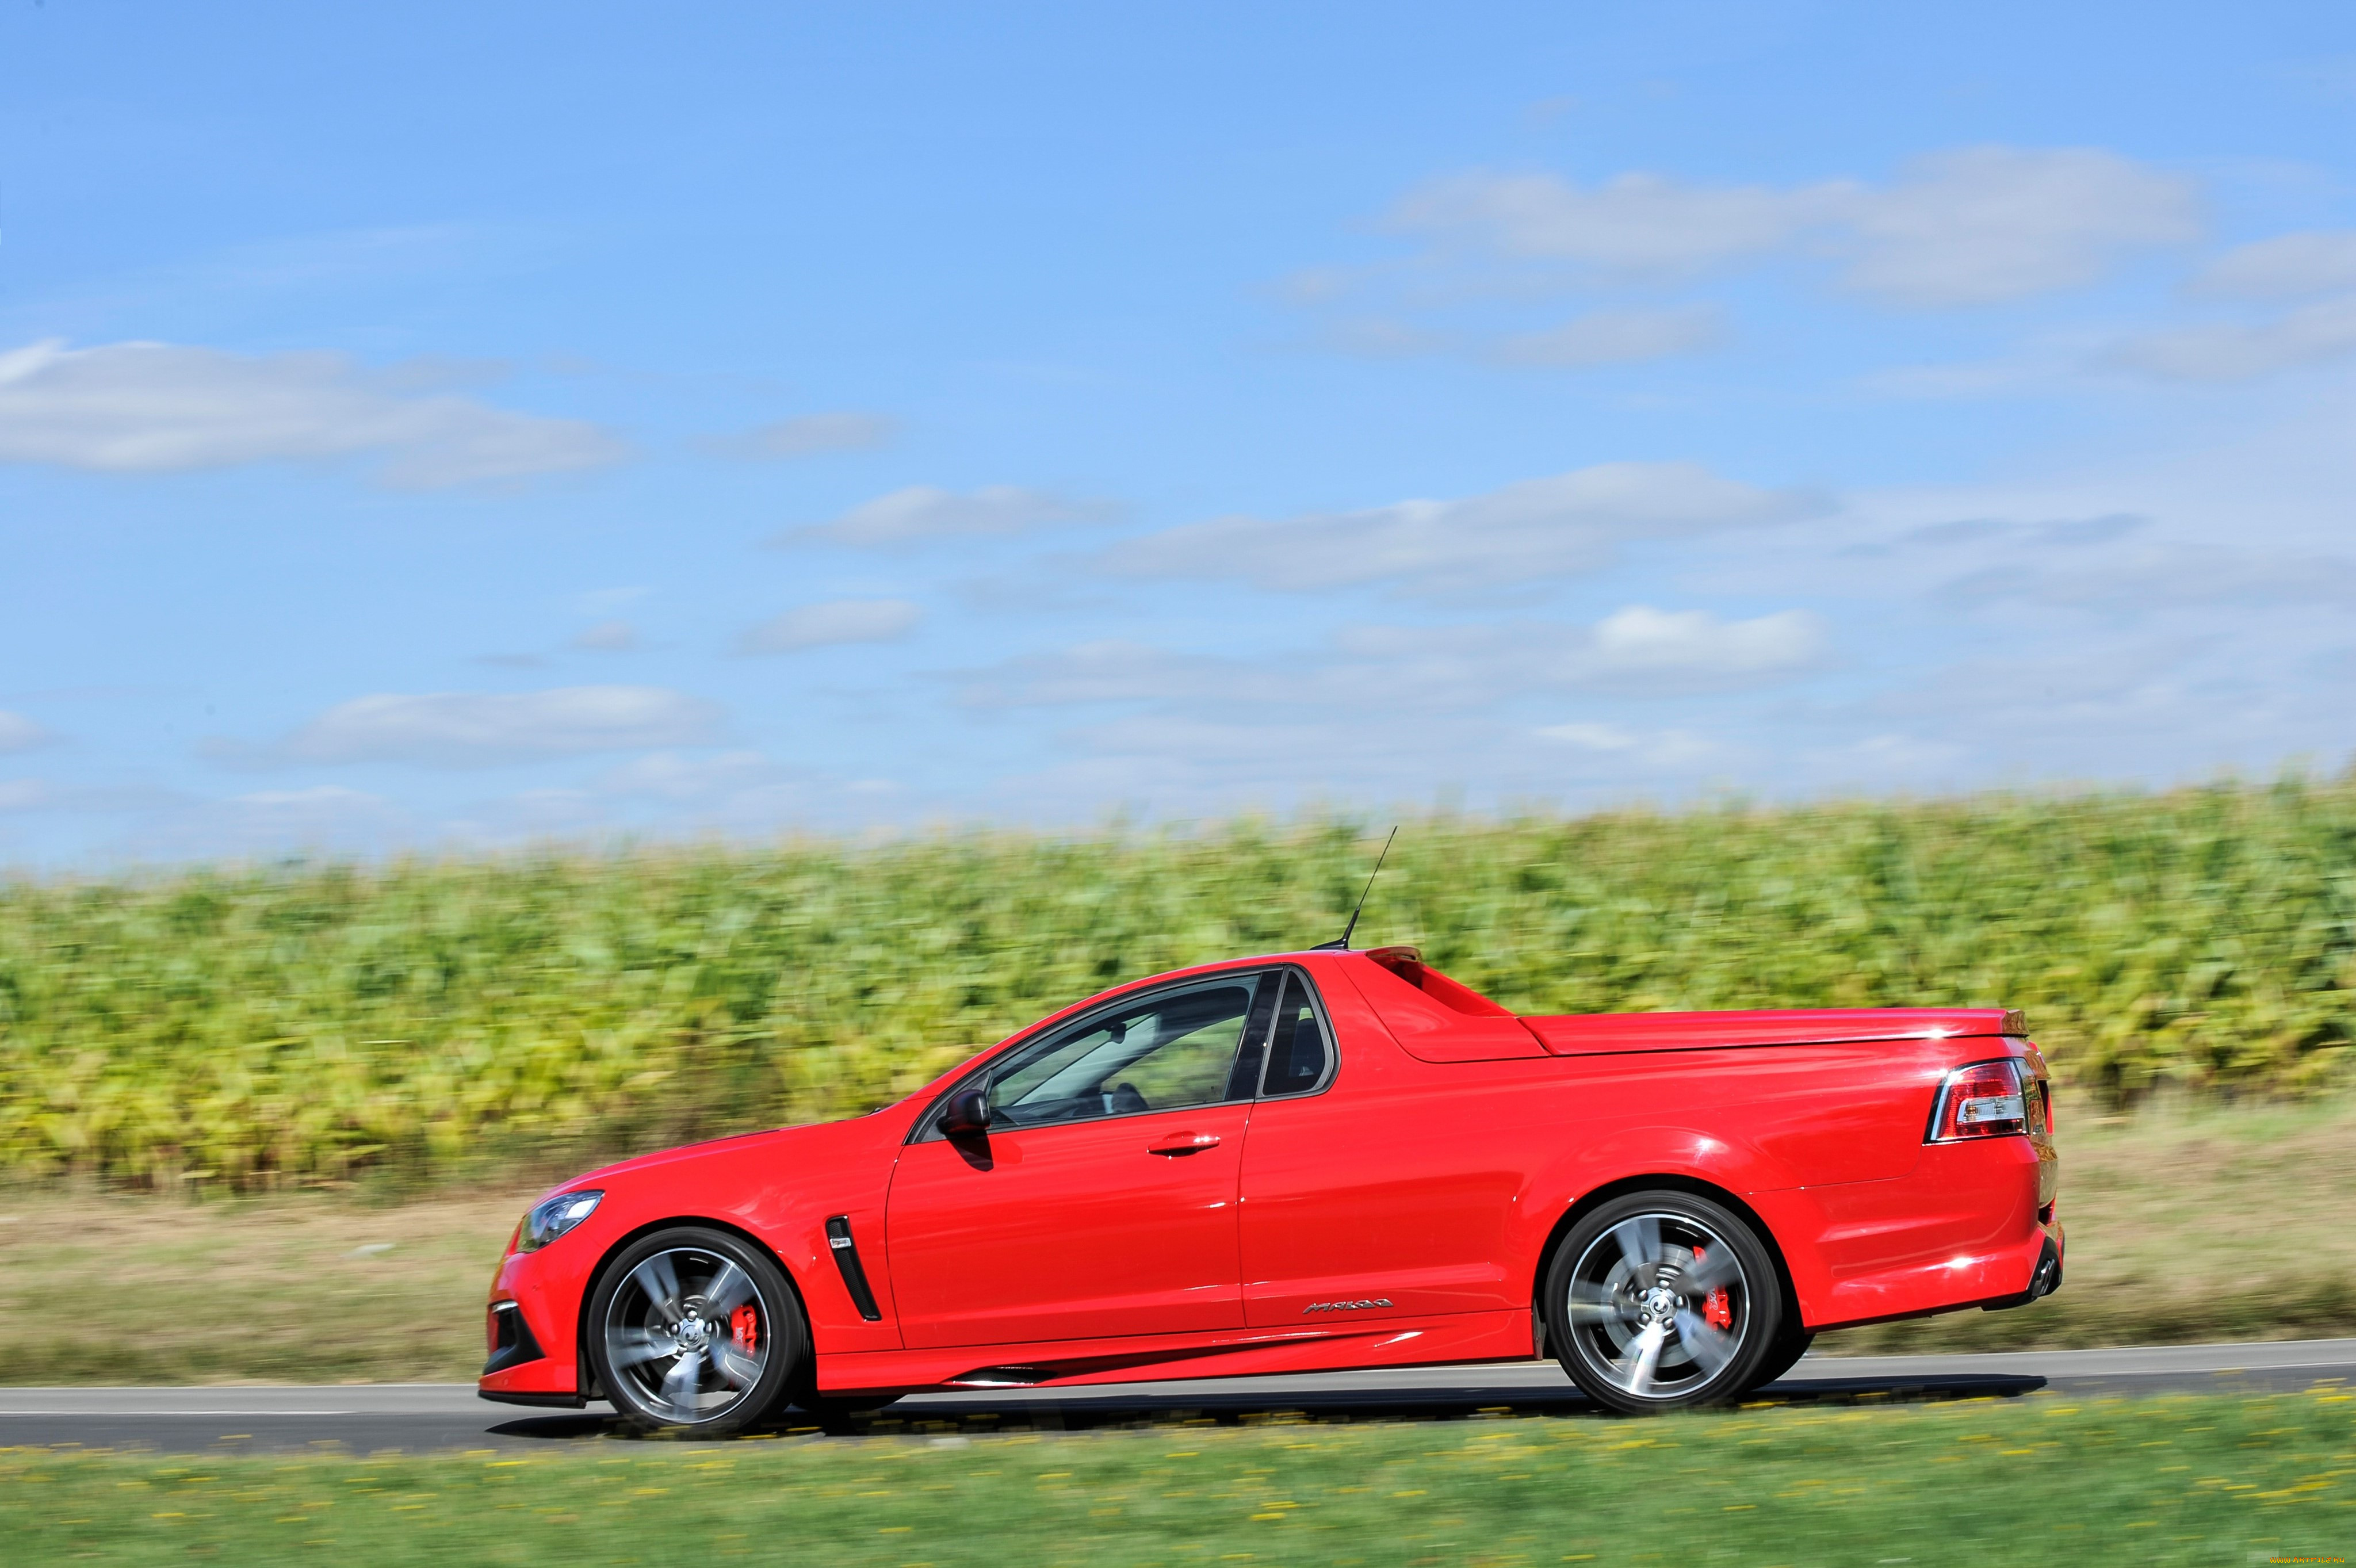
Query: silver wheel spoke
x,y
737,1369
1714,1268
729,1289
680,1386
1706,1344
1648,1359
1591,1303
1640,1244
633,1347
660,1279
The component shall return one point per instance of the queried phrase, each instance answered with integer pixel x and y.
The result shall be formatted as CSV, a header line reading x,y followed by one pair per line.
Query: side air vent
x,y
846,1258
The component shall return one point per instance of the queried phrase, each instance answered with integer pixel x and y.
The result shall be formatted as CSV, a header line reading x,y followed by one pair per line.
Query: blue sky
x,y
453,425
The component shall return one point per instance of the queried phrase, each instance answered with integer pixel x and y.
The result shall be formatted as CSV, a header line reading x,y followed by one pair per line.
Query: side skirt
x,y
545,1401
1231,1353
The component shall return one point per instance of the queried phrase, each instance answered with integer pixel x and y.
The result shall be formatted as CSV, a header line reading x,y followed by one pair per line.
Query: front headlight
x,y
553,1218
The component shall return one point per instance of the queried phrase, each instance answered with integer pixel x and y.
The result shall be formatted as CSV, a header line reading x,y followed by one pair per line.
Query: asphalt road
x,y
431,1417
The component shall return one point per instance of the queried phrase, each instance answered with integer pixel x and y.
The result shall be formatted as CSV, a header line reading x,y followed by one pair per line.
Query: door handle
x,y
1182,1144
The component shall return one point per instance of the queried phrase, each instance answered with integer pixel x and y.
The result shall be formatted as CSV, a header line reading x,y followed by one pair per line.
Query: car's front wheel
x,y
692,1330
1658,1301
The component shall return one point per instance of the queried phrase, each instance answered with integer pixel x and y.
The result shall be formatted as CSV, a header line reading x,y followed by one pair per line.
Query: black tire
x,y
1790,1346
1633,1303
684,1292
834,1417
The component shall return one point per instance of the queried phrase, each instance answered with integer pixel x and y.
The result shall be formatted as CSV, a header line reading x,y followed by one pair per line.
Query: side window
x,y
1298,1051
1159,1052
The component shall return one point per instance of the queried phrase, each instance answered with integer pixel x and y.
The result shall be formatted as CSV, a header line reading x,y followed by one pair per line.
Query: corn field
x,y
257,1026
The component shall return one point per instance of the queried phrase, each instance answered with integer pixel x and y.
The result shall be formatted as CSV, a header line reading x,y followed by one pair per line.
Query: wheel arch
x,y
1662,1181
585,1374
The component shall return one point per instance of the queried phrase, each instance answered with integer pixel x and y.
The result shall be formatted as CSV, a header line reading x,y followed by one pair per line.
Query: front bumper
x,y
528,1334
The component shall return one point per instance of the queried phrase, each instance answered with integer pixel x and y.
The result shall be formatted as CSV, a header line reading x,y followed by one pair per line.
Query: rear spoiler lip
x,y
1608,1034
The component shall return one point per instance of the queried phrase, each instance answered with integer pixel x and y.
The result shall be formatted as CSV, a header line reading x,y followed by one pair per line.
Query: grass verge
x,y
303,1289
2211,1223
2205,1479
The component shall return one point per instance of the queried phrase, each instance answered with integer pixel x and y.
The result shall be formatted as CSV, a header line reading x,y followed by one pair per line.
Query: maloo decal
x,y
1345,1305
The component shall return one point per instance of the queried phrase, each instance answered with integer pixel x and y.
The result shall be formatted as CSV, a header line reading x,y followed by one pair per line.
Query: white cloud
x,y
1970,226
2136,687
160,407
606,601
1568,524
471,729
1636,223
1674,750
607,636
2178,575
831,623
2033,370
745,791
1983,224
1638,652
323,817
922,512
1384,337
669,776
2289,266
2231,351
1598,338
1116,670
41,795
1643,647
1614,336
806,436
1593,737
322,804
18,733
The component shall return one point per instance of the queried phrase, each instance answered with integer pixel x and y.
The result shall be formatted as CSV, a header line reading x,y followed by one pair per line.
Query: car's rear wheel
x,y
692,1331
1658,1301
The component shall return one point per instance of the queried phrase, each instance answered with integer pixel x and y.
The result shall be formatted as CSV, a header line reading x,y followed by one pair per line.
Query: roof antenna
x,y
1344,944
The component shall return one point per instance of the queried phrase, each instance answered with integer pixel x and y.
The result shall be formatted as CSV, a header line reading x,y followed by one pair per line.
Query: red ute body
x,y
1420,1188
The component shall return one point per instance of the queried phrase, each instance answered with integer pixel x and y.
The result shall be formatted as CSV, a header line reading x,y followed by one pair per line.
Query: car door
x,y
1101,1200
1372,1186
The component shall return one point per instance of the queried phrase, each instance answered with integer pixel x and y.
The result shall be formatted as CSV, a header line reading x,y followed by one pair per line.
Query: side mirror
x,y
968,1111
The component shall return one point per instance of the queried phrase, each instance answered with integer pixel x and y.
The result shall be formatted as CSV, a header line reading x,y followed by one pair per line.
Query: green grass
x,y
2193,1480
261,1025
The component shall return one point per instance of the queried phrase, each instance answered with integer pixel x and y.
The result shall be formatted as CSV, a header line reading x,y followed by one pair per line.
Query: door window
x,y
1158,1052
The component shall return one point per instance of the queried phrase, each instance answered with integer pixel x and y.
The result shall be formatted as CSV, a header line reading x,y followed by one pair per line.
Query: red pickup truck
x,y
1301,1162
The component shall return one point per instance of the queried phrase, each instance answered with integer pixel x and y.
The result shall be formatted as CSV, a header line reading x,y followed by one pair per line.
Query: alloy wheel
x,y
1657,1308
688,1333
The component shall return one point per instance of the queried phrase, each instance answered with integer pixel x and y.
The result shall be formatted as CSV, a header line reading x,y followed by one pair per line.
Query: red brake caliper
x,y
744,1327
1715,1309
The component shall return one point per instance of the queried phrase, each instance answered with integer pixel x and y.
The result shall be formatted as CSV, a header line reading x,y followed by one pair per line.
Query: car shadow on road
x,y
980,1415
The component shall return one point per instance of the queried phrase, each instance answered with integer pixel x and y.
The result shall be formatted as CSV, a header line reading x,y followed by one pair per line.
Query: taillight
x,y
1985,1099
